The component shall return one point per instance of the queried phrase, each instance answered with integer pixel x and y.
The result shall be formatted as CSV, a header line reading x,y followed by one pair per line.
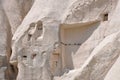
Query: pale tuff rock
x,y
97,65
33,50
4,43
59,39
2,70
10,19
113,74
16,10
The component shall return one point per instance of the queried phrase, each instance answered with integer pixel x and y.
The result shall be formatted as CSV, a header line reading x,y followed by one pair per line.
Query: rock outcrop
x,y
59,39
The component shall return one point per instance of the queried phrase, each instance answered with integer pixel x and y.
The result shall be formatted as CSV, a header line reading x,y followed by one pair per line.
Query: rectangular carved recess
x,y
105,17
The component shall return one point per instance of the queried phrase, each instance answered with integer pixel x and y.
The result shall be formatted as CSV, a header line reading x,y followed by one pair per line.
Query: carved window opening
x,y
39,25
105,17
29,37
24,56
35,31
30,32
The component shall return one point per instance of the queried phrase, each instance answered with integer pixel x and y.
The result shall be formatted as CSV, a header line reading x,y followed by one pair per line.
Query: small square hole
x,y
105,17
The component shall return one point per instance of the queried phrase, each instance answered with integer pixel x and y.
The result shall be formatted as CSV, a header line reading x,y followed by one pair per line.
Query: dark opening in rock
x,y
24,56
105,17
29,37
33,56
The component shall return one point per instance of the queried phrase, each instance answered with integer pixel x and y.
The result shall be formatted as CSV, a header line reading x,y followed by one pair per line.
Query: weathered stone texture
x,y
59,39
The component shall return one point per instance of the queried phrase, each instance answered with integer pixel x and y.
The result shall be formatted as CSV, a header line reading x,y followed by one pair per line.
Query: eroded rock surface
x,y
59,39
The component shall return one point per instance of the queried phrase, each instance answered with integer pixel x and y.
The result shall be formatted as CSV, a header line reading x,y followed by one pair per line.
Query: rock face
x,y
59,39
114,71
